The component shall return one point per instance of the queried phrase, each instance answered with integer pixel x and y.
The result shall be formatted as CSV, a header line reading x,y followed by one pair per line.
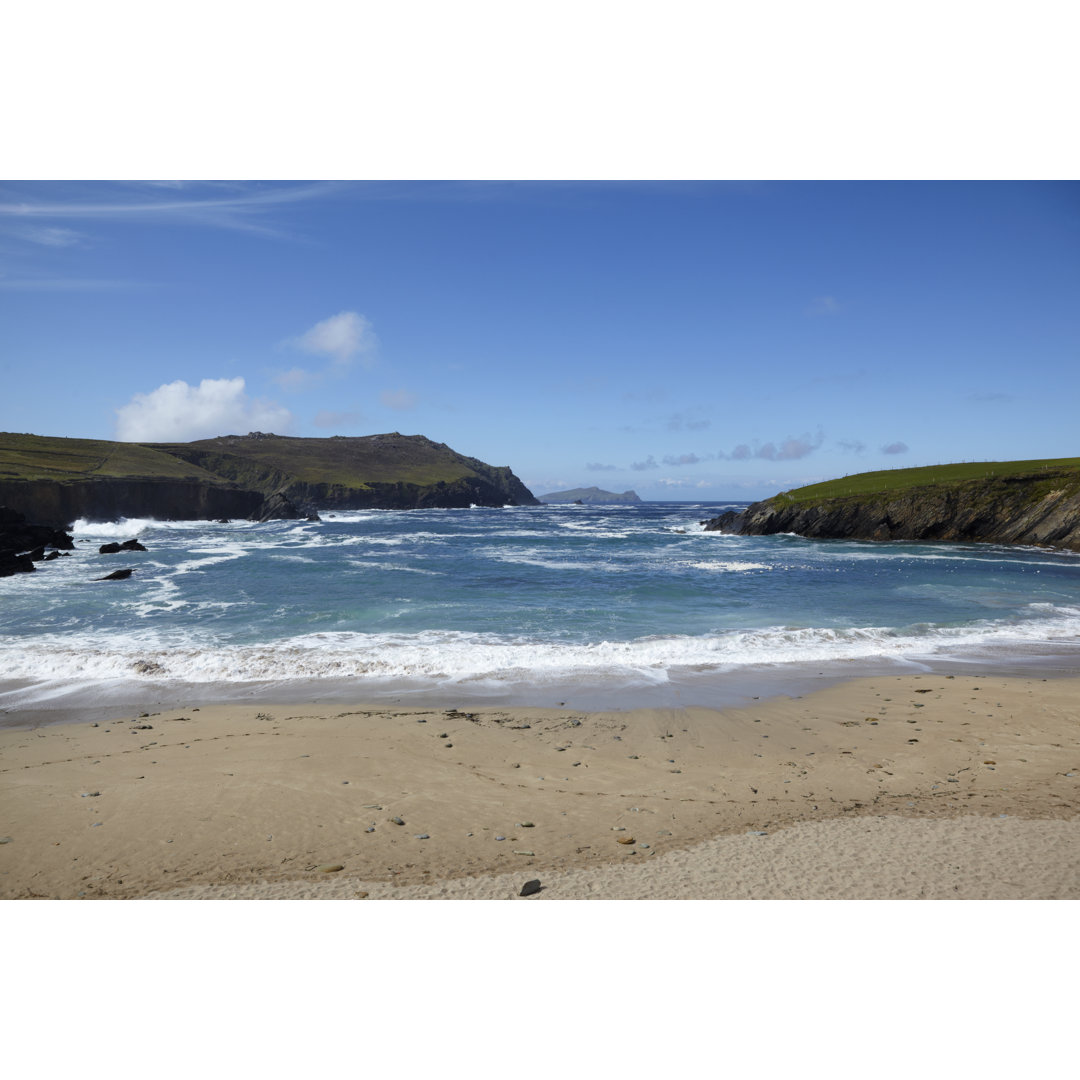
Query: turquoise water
x,y
599,605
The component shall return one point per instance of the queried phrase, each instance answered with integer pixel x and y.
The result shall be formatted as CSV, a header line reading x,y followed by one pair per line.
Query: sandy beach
x,y
931,786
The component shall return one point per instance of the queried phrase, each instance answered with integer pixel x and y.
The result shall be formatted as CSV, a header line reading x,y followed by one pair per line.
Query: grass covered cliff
x,y
57,480
1002,502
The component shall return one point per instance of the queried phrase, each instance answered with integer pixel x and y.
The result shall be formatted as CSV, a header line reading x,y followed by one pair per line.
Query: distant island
x,y
591,496
1000,502
53,480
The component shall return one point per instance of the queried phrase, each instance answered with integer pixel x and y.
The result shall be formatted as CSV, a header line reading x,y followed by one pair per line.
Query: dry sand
x,y
890,787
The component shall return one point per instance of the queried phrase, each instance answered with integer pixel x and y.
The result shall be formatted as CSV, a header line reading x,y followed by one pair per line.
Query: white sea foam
x,y
131,527
731,567
213,557
125,527
448,657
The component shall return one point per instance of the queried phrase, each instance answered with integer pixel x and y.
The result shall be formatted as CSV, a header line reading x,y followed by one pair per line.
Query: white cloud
x,y
398,399
342,337
177,412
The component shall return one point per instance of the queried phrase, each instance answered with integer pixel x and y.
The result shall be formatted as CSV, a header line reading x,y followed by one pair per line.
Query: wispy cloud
x,y
62,284
852,446
48,235
297,378
789,449
895,448
177,411
671,482
401,400
683,459
595,466
687,421
642,466
822,305
656,393
232,211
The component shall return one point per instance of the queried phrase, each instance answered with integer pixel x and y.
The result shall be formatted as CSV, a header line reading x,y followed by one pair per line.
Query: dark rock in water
x,y
114,548
18,537
116,575
52,555
15,564
728,522
276,508
530,887
224,521
314,517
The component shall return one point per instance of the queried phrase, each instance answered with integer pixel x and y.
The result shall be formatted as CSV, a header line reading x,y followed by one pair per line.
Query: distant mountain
x,y
56,480
591,496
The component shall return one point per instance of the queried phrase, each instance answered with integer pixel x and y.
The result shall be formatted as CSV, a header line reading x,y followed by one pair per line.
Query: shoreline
x,y
24,704
888,786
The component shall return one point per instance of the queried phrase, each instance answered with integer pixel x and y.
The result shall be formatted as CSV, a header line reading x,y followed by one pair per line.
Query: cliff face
x,y
109,499
56,481
1013,510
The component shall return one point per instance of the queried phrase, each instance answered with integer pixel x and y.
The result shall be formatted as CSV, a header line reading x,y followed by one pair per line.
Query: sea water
x,y
589,605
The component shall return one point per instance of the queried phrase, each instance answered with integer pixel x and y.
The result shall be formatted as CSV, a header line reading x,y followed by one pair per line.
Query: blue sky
x,y
693,341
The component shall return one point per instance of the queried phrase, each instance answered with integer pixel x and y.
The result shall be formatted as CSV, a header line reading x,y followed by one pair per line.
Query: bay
x,y
596,606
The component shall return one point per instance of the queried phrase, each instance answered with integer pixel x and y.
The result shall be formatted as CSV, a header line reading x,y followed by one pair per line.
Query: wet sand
x,y
885,787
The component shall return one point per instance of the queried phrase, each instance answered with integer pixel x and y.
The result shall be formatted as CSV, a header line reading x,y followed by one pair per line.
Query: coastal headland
x,y
55,481
913,786
1000,502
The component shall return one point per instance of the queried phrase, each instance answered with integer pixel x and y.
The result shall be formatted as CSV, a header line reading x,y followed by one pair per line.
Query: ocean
x,y
594,607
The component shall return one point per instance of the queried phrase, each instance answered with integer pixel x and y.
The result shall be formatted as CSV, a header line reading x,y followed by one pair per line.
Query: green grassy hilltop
x,y
43,457
893,481
57,479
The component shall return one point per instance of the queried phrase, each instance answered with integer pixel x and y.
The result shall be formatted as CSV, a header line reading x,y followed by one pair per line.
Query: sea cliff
x,y
259,476
1031,502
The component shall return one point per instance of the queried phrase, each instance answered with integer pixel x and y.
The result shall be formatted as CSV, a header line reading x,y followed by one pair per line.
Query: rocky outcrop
x,y
23,543
1043,511
278,508
114,548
